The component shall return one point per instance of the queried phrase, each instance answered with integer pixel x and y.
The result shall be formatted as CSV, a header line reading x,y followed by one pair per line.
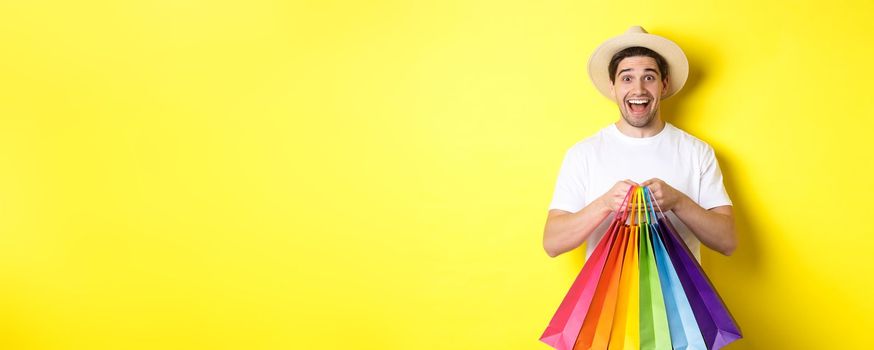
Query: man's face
x,y
638,89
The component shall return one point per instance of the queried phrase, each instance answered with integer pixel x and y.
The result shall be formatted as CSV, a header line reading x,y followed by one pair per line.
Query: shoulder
x,y
589,144
689,141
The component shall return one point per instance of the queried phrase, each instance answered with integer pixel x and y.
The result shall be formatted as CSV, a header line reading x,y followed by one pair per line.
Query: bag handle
x,y
634,206
640,204
644,208
648,206
649,198
623,214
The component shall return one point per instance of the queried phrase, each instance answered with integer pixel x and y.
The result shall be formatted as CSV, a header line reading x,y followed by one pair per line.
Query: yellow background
x,y
376,174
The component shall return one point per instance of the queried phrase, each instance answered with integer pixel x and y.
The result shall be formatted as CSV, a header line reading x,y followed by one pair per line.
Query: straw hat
x,y
678,65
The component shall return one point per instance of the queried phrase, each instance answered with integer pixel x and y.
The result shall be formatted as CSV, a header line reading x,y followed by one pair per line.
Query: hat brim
x,y
678,65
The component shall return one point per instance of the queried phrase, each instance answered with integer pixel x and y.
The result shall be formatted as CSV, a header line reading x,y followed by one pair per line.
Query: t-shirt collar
x,y
613,130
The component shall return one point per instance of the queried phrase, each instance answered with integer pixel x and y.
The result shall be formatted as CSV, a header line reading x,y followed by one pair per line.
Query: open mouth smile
x,y
638,105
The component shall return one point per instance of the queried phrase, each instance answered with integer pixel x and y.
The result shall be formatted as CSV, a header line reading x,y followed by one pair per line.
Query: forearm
x,y
714,228
568,231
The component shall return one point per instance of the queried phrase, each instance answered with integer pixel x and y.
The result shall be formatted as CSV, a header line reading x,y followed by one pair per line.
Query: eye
x,y
626,78
649,78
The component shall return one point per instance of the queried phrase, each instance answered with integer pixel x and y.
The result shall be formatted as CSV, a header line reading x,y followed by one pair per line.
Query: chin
x,y
640,122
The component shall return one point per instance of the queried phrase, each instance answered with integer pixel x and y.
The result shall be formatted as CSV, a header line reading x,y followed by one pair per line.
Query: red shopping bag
x,y
566,324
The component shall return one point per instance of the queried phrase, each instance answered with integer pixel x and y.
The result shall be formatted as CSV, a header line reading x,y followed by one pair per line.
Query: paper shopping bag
x,y
595,333
682,325
611,325
654,331
567,322
625,334
716,324
565,325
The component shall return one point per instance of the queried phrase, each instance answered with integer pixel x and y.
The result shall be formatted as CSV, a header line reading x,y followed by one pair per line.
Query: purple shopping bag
x,y
714,320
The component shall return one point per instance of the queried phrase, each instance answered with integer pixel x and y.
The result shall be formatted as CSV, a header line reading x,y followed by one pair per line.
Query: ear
x,y
665,84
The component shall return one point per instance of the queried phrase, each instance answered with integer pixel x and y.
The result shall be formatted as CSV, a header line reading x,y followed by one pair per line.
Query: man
x,y
637,70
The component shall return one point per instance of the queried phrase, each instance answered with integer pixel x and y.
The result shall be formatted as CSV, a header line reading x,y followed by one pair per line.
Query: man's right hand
x,y
565,231
613,199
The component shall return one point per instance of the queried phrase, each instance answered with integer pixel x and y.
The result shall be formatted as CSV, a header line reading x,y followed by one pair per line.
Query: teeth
x,y
638,102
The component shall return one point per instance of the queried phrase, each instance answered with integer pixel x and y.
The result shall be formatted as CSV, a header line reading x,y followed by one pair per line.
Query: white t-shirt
x,y
592,166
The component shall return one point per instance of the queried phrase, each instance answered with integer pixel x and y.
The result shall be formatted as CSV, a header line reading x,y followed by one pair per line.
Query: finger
x,y
632,183
650,182
622,187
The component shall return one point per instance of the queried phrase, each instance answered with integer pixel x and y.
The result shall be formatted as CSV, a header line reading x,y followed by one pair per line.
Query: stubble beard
x,y
639,123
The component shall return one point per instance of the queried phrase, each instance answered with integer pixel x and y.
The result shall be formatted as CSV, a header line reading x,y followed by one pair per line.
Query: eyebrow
x,y
645,70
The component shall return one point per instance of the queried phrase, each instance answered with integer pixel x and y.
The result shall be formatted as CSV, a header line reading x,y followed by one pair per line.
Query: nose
x,y
638,86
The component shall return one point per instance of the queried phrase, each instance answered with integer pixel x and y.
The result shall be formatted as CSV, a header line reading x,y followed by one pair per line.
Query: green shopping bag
x,y
654,331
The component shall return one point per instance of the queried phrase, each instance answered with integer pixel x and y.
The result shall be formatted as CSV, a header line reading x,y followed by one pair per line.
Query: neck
x,y
651,129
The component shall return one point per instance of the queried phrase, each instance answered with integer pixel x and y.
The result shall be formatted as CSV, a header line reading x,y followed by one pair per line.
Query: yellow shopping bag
x,y
626,323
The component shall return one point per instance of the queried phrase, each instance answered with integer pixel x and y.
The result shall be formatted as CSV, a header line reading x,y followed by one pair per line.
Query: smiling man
x,y
637,70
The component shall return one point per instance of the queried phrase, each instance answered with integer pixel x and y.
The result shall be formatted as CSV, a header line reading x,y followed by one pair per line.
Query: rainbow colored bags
x,y
641,289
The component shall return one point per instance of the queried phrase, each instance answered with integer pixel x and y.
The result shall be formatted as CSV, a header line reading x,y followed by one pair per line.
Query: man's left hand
x,y
667,197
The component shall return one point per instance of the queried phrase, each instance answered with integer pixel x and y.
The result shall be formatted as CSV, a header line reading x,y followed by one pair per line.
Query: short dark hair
x,y
637,51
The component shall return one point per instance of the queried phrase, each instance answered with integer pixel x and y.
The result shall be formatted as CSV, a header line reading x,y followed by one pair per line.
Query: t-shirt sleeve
x,y
568,195
712,192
